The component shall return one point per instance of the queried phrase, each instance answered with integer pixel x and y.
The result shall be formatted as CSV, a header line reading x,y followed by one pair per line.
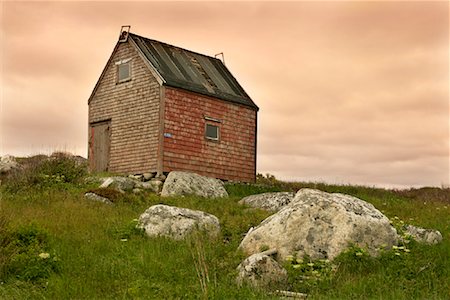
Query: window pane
x,y
124,71
212,131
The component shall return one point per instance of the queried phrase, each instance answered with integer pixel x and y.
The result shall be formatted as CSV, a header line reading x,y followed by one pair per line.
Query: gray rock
x,y
269,201
261,271
154,185
422,235
136,177
161,177
97,198
7,164
322,225
120,183
106,182
184,183
175,222
148,176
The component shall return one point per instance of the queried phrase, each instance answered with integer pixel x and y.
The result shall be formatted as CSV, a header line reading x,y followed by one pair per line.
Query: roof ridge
x,y
173,46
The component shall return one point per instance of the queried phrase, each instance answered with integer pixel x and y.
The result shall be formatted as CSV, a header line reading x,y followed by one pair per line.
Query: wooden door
x,y
99,146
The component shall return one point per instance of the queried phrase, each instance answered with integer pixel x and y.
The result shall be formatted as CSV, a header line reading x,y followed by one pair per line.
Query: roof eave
x,y
217,96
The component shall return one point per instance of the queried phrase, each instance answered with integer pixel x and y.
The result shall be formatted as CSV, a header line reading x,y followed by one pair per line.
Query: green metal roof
x,y
192,71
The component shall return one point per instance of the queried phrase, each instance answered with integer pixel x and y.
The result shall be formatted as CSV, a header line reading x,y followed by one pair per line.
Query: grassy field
x,y
54,244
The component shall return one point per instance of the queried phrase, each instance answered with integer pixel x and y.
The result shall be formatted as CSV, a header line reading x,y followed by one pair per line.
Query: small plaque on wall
x,y
167,135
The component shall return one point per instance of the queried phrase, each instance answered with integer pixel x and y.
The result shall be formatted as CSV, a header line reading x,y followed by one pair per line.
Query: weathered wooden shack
x,y
159,108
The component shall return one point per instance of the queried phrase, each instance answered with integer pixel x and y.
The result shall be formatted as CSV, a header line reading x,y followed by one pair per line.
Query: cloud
x,y
349,91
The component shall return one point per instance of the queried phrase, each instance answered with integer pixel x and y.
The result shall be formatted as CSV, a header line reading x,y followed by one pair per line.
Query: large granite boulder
x,y
269,201
322,225
175,222
261,271
180,183
423,235
7,164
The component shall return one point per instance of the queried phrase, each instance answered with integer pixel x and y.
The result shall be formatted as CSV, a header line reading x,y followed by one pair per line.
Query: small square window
x,y
123,72
212,132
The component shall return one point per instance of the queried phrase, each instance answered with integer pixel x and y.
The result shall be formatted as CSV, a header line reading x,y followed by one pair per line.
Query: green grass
x,y
102,256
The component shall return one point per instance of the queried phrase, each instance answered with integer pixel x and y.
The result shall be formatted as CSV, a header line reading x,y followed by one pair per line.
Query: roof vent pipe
x,y
223,56
124,31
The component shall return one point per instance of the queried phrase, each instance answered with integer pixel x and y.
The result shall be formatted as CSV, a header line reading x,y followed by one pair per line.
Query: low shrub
x,y
41,171
26,254
306,274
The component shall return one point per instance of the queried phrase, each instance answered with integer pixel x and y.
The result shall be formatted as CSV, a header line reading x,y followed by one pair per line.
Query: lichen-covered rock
x,y
422,235
7,164
97,198
184,183
261,271
269,201
322,225
175,222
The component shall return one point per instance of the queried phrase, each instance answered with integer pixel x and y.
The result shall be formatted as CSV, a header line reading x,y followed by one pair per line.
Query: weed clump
x,y
25,253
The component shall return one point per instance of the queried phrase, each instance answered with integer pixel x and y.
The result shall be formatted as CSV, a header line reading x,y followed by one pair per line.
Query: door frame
x,y
91,154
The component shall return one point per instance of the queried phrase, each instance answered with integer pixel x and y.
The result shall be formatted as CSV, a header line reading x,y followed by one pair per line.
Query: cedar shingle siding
x,y
157,124
232,157
133,108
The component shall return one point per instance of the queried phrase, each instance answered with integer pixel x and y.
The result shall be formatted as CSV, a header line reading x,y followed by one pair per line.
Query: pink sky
x,y
349,92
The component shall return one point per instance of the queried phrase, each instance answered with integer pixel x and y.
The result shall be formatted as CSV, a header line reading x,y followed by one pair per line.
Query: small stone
x,y
119,183
137,191
422,235
152,185
107,182
161,177
261,271
95,197
137,177
148,176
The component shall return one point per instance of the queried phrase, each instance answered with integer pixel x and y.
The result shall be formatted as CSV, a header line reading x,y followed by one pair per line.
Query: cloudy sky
x,y
349,92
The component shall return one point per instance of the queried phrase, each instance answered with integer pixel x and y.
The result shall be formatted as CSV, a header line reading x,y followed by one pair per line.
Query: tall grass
x,y
102,256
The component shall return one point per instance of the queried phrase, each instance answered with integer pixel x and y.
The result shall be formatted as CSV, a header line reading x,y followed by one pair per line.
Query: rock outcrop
x,y
175,222
269,201
321,225
184,183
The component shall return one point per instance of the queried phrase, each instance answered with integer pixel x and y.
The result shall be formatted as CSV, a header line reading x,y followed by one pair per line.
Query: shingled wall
x,y
133,108
186,148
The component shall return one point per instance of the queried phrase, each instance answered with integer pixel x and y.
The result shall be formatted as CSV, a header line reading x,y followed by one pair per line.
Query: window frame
x,y
210,138
123,63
